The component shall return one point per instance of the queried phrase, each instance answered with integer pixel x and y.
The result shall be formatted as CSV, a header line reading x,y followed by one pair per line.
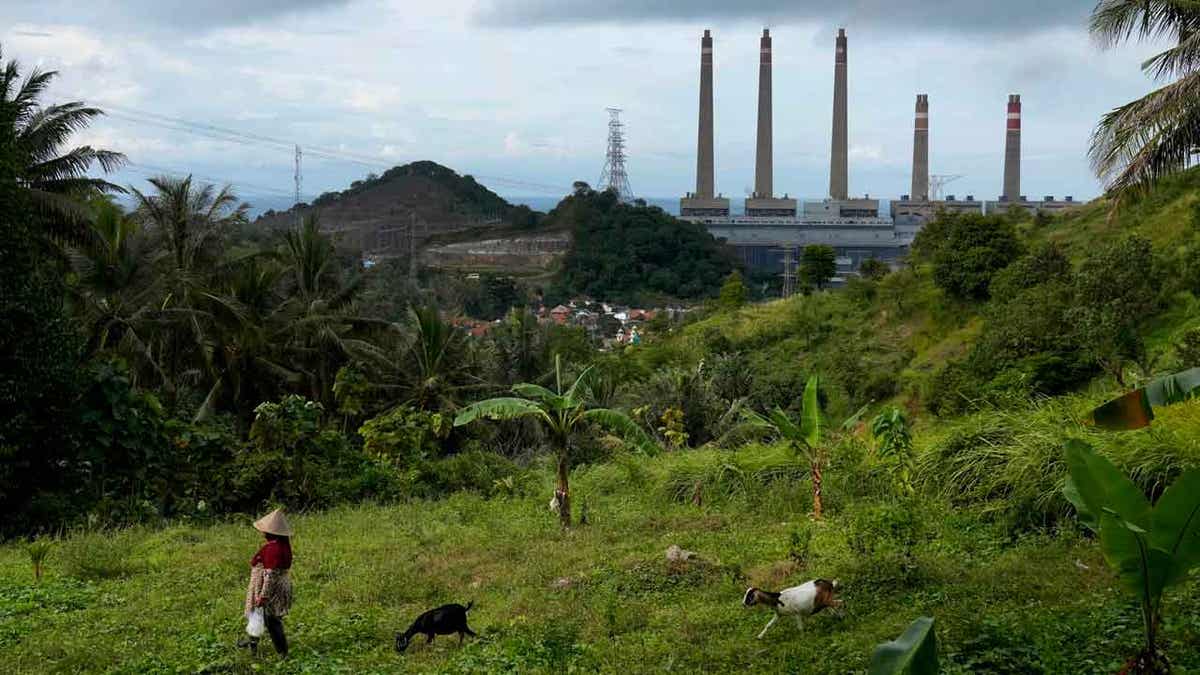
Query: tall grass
x,y
1010,462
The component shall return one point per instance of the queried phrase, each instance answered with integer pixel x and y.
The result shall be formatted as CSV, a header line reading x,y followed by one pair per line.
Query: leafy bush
x,y
404,435
294,460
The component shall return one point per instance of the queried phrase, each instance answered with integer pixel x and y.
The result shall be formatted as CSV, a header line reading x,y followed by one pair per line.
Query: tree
x,y
975,248
39,360
1143,140
562,413
189,223
818,264
874,269
1115,289
804,437
733,292
55,181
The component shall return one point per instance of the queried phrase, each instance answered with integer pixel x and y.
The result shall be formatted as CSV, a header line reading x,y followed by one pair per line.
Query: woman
x,y
270,584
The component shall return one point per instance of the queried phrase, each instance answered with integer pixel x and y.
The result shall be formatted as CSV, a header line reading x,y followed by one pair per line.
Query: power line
x,y
229,135
155,170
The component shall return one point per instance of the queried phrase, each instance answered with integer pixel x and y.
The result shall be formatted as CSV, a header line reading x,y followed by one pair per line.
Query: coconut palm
x,y
805,437
56,180
1141,141
113,269
562,412
189,223
322,327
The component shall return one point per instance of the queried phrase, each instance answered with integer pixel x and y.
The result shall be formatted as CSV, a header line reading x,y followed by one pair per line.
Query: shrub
x,y
1188,349
99,554
473,471
293,459
39,550
404,435
884,539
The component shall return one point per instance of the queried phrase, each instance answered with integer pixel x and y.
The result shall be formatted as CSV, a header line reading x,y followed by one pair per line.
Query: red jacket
x,y
275,554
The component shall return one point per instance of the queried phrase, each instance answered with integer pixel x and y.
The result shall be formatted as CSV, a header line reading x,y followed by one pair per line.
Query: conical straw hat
x,y
274,523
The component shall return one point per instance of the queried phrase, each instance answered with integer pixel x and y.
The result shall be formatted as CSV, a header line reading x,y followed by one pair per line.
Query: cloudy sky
x,y
514,91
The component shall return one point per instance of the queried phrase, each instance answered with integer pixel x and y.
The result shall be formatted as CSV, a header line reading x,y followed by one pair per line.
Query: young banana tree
x,y
805,437
1151,548
562,413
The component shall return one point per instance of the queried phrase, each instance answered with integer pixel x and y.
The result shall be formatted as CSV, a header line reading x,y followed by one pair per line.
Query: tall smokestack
x,y
704,145
1012,151
920,165
763,163
839,156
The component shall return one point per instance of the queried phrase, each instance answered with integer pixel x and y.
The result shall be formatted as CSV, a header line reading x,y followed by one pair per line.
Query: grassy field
x,y
600,597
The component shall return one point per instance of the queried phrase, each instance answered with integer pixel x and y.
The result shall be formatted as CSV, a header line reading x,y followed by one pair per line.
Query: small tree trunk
x,y
563,491
816,488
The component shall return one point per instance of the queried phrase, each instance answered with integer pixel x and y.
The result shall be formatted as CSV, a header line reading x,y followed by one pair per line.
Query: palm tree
x,y
113,269
323,327
189,223
1141,141
434,363
562,413
805,437
55,180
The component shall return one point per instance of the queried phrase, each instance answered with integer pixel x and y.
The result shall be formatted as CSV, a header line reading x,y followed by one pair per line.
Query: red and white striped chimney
x,y
1012,151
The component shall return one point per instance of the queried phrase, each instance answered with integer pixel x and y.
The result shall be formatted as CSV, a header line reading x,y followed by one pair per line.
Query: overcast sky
x,y
516,89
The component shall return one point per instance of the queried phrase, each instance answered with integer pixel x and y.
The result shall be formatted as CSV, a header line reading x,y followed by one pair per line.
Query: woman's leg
x,y
275,628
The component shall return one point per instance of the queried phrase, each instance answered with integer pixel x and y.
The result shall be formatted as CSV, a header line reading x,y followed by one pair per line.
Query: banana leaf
x,y
913,653
1135,409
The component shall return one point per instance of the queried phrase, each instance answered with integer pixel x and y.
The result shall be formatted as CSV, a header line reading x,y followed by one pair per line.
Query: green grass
x,y
169,600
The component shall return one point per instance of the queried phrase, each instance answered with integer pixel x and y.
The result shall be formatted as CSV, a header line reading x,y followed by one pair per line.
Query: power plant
x,y
773,229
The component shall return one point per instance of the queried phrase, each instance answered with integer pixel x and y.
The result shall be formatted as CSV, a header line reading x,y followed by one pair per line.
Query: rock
x,y
676,554
562,584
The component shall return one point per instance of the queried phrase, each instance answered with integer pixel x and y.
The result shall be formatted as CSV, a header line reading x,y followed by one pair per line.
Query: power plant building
x,y
774,230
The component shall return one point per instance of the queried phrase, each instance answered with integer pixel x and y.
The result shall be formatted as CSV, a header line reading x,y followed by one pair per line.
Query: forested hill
x,y
435,195
991,310
634,253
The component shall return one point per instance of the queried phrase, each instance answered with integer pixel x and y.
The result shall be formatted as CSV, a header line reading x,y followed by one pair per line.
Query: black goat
x,y
444,620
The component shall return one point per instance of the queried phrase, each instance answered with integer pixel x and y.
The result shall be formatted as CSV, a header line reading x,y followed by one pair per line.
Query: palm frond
x,y
1143,140
1116,21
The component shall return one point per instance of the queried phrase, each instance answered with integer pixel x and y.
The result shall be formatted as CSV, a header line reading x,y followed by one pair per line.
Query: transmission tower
x,y
791,268
939,181
298,180
613,176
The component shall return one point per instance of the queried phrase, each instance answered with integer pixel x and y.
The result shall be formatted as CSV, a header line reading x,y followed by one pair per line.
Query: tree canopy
x,y
628,253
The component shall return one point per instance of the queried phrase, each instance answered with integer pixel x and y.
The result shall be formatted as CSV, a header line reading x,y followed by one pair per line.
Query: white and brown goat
x,y
798,601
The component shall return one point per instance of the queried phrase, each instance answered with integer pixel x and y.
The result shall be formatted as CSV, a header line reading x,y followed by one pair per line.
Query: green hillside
x,y
984,541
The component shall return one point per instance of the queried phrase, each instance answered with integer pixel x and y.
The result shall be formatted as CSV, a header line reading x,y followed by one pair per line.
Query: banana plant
x,y
804,437
1150,547
913,653
1135,409
562,412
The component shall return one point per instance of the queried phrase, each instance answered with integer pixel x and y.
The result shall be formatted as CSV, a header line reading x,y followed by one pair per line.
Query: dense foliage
x,y
634,253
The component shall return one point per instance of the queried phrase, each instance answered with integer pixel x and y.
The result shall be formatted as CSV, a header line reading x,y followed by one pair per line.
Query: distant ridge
x,y
371,212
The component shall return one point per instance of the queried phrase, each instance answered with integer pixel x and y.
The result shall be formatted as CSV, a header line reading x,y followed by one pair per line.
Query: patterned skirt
x,y
274,586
